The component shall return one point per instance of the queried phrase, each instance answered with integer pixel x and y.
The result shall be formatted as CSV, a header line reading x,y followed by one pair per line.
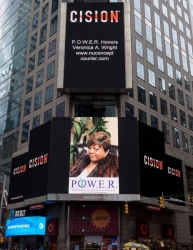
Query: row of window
x,y
129,110
54,6
36,120
159,46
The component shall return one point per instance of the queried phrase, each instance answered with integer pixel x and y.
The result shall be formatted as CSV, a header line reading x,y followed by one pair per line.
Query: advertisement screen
x,y
152,161
17,179
34,225
94,165
94,46
93,219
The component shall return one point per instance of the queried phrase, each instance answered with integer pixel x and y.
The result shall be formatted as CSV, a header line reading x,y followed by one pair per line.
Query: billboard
x,y
94,47
95,167
152,161
38,161
17,179
34,225
93,219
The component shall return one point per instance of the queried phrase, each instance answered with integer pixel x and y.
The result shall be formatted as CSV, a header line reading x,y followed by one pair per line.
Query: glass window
x,y
138,27
153,100
170,70
35,21
142,116
147,12
190,121
182,118
163,105
187,83
148,33
175,37
162,85
185,142
171,3
188,33
178,77
140,70
139,47
137,5
41,56
191,144
151,76
156,3
158,41
49,94
39,77
164,10
185,4
52,48
60,110
160,63
157,20
184,62
54,5
29,84
43,33
166,29
50,70
154,122
186,17
150,57
165,130
38,100
53,25
190,49
31,63
25,132
189,102
173,111
27,107
33,42
173,18
129,110
191,68
45,12
176,139
47,115
168,49
141,94
182,42
179,10
171,91
36,121
176,56
181,26
36,4
180,97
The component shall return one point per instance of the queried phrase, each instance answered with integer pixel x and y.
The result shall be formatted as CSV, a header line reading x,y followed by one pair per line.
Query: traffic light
x,y
161,201
126,208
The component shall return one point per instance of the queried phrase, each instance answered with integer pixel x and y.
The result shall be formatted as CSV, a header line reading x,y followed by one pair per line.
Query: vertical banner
x,y
94,46
94,166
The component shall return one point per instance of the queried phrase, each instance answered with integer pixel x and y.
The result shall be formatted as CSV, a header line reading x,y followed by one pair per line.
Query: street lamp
x,y
2,195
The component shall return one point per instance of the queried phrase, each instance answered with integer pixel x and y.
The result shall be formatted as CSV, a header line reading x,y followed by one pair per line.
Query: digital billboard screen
x,y
17,179
94,47
34,225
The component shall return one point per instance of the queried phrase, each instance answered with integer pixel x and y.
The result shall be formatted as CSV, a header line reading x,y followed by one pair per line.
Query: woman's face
x,y
96,152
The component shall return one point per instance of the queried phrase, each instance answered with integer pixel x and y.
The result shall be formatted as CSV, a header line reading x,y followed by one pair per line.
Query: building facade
x,y
36,83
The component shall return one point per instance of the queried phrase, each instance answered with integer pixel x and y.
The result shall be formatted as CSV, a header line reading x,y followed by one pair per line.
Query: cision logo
x,y
96,16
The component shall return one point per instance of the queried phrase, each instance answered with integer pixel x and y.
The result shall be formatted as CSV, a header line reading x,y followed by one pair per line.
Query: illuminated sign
x,y
34,225
153,162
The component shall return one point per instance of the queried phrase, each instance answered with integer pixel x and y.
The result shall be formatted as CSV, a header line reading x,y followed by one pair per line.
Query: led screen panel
x,y
34,225
94,47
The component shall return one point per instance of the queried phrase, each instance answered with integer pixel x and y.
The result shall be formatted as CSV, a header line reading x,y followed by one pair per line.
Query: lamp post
x,y
2,194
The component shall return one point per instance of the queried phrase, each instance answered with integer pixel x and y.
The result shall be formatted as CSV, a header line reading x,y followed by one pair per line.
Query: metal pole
x,y
3,191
